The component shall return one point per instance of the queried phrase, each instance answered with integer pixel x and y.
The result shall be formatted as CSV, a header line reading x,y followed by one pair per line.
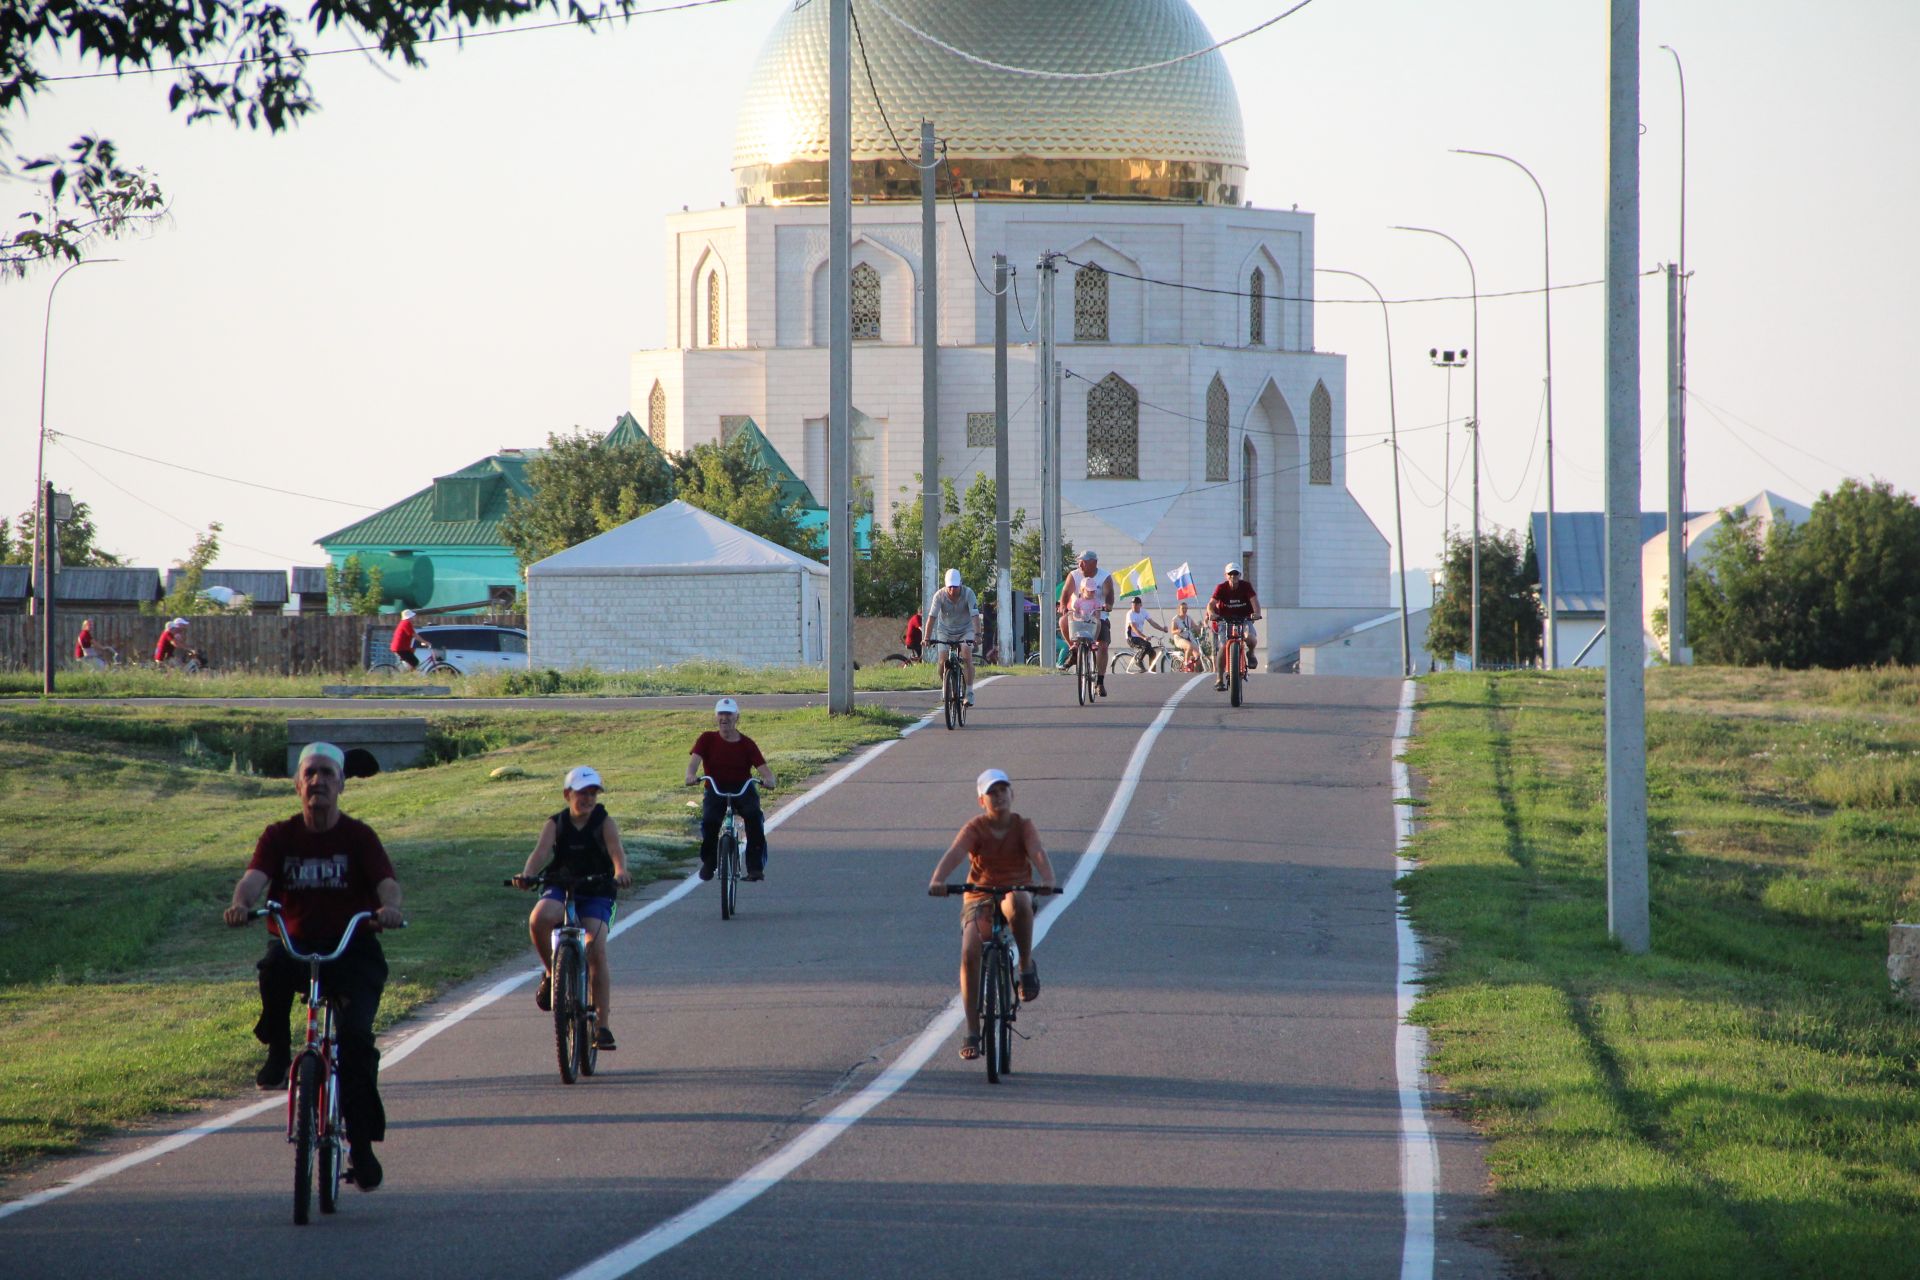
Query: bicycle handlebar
x,y
1002,890
272,908
730,795
546,879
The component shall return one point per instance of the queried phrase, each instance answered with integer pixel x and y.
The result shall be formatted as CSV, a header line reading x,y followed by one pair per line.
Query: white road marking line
x,y
764,1176
397,1052
1419,1159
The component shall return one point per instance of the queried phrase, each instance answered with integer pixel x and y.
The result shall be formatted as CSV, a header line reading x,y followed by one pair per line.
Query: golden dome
x,y
1168,134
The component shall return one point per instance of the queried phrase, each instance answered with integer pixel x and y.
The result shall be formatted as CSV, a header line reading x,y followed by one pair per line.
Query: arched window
x,y
1249,490
1257,309
866,303
713,308
1113,430
1217,429
1320,436
1090,304
657,415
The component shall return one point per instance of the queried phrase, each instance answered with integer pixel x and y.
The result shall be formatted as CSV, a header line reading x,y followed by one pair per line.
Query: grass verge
x,y
1741,1101
123,996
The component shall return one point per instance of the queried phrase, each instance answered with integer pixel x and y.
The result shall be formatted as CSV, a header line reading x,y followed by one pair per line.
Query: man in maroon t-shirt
x,y
730,758
1233,601
323,868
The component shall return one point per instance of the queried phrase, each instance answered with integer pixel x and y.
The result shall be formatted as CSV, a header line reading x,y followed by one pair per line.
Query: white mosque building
x,y
1199,423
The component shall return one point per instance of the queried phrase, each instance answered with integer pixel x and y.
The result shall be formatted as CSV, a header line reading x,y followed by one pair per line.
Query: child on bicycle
x,y
581,842
1002,848
730,757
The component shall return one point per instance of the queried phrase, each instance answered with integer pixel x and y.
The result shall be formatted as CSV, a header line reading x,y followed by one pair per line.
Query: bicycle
x,y
733,841
997,993
314,1124
953,683
1235,639
1084,632
1134,662
576,1023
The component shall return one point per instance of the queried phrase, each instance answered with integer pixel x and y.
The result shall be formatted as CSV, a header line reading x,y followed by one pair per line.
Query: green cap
x,y
326,751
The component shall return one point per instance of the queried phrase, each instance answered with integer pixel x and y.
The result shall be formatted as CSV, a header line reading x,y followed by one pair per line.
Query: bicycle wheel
x,y
566,1023
728,871
586,1026
1236,665
990,1012
949,701
1080,682
960,694
1004,1041
305,1101
333,1147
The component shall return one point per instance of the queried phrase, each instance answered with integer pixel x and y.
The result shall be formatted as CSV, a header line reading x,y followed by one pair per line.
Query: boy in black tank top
x,y
580,842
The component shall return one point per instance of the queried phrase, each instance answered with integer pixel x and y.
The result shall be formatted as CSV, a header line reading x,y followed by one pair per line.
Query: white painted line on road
x,y
764,1176
405,1047
1419,1159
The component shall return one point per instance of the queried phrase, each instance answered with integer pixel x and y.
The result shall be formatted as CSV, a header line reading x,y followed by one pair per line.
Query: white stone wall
x,y
629,622
1370,650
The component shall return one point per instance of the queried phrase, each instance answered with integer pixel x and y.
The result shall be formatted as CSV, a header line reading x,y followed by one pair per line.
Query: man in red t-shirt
x,y
730,758
1233,601
323,868
914,636
166,650
404,640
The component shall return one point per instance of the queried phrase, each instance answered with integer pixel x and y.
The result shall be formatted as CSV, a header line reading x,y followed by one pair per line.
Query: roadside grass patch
x,y
1745,1099
123,996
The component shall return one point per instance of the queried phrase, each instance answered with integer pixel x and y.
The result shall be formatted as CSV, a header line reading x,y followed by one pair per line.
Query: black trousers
x,y
714,812
355,981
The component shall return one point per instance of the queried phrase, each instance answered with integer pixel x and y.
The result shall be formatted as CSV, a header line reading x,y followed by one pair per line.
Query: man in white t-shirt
x,y
953,617
1088,594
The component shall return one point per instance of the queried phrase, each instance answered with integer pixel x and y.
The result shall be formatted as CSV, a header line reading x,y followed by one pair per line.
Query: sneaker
x,y
273,1072
969,697
543,995
603,1039
706,871
364,1172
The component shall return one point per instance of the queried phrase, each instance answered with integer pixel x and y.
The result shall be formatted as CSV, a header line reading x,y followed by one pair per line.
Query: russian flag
x,y
1183,588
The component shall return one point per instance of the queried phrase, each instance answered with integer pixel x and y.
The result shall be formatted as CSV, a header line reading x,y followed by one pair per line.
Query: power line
x,y
583,20
1227,484
188,524
1521,483
1717,411
874,89
1037,74
1175,413
1369,302
250,484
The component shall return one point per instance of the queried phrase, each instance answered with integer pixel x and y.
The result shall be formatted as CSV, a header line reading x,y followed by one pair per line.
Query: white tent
x,y
675,585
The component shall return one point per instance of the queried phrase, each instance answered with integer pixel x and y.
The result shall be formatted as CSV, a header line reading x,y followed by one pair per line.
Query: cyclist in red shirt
x,y
324,868
166,650
913,637
730,758
1233,601
404,640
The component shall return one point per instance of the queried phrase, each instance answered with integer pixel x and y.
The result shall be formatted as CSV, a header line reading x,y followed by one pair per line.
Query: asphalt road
x,y
1208,1088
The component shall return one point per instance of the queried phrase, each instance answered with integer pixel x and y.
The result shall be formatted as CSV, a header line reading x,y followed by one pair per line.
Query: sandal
x,y
970,1048
1030,984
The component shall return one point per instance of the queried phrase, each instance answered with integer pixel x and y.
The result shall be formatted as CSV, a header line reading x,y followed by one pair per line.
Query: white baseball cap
x,y
1232,568
726,704
581,776
988,777
953,577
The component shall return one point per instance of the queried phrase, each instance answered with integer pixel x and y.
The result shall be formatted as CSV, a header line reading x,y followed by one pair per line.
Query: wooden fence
x,y
268,644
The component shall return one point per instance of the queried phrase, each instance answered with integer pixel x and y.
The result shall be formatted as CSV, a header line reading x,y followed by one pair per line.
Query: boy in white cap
x,y
1002,849
953,617
730,757
580,845
1233,601
324,868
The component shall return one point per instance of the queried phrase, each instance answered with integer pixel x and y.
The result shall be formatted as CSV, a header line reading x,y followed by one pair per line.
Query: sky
x,y
447,261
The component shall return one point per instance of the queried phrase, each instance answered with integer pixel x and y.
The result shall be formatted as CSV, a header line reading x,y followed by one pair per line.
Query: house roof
x,y
627,430
678,538
15,579
792,487
463,508
118,582
1580,555
262,586
309,580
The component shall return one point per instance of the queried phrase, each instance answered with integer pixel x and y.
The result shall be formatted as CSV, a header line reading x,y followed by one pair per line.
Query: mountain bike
x,y
1235,639
997,993
1134,662
953,683
575,1020
314,1124
731,848
1085,631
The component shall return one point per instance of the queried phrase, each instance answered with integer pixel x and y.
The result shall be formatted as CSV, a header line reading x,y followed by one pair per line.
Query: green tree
x,y
1510,629
77,540
727,481
185,598
887,583
241,59
582,487
352,589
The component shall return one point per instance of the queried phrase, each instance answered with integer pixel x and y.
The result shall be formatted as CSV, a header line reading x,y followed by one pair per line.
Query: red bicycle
x,y
1234,637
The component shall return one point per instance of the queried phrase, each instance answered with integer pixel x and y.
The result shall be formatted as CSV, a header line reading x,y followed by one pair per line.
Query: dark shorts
x,y
600,909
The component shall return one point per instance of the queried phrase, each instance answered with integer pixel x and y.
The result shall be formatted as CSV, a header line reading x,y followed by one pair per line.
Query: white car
x,y
472,650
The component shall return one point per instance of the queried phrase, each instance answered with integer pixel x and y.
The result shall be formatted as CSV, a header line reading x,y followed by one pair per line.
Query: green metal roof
x,y
628,431
792,487
462,509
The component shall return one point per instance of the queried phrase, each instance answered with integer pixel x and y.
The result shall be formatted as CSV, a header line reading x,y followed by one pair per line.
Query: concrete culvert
x,y
361,763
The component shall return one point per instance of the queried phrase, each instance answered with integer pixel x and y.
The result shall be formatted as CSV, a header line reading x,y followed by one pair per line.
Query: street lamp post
x,y
1474,432
38,593
1546,299
1678,650
1393,431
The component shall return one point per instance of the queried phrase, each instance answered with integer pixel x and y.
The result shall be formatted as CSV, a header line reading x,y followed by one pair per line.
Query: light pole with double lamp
x,y
1473,431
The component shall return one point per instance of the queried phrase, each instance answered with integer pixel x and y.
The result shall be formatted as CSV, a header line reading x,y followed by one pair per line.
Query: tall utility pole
x,y
929,373
1002,469
1678,651
50,553
1049,457
1626,692
40,594
840,362
1473,434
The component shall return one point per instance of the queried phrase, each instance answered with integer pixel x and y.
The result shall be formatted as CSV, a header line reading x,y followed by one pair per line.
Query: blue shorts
x,y
600,909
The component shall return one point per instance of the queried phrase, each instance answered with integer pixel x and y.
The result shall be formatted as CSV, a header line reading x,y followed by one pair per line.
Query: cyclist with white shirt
x,y
953,617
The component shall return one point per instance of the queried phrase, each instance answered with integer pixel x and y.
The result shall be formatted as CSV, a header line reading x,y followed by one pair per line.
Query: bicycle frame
x,y
576,1039
734,825
1001,1006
